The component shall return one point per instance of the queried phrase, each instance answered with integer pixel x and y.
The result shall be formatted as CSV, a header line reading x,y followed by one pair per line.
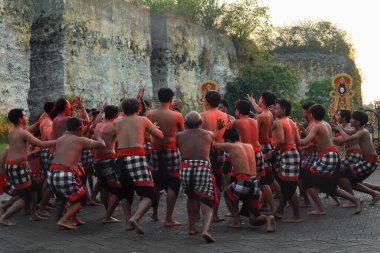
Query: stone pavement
x,y
338,231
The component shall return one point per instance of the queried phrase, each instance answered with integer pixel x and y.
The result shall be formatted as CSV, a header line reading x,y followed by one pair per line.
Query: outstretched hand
x,y
250,98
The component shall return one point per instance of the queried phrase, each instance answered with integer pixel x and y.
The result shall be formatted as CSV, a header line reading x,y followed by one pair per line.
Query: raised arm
x,y
36,142
255,106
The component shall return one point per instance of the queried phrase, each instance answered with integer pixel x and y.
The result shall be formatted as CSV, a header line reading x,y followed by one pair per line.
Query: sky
x,y
361,20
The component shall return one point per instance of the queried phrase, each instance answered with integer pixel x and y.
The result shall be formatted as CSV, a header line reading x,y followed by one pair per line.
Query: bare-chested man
x,y
210,122
5,186
195,173
227,166
288,161
165,155
265,122
323,175
131,161
246,186
104,160
249,132
353,152
64,176
309,152
360,170
15,165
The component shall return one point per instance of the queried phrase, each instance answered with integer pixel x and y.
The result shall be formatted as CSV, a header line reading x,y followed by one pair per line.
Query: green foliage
x,y
319,91
255,79
245,18
309,37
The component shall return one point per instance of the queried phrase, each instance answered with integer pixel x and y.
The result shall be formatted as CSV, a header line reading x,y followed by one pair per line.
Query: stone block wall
x,y
15,27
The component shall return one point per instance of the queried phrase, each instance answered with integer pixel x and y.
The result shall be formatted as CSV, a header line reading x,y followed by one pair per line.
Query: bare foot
x,y
228,214
375,198
347,204
136,226
192,232
36,217
305,205
6,222
277,216
208,237
293,220
216,219
43,213
317,212
66,225
271,227
111,220
77,222
234,226
172,223
154,217
93,203
359,207
129,226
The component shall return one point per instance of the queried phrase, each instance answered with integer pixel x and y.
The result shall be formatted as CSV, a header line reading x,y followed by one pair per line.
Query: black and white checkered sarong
x,y
265,148
45,162
105,171
17,174
289,163
166,159
349,160
65,183
134,167
196,176
310,157
86,159
260,169
326,164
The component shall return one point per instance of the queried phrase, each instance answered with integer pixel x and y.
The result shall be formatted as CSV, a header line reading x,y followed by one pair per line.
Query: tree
x,y
256,79
245,18
319,91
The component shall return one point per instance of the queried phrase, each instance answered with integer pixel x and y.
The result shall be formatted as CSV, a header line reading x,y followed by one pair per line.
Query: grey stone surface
x,y
338,231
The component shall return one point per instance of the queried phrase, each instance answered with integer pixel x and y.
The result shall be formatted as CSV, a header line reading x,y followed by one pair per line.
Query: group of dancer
x,y
253,157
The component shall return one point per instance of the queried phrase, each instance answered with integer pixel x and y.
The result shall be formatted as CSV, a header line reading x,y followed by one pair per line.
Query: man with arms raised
x,y
165,155
195,173
131,161
210,120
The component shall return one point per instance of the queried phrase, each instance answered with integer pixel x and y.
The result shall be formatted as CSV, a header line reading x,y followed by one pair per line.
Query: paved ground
x,y
338,231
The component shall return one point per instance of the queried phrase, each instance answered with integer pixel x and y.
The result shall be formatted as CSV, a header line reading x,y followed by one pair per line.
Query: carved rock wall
x,y
15,27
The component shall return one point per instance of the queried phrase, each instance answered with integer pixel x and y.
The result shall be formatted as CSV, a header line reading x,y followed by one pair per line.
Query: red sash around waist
x,y
312,149
104,156
354,151
61,168
370,158
11,162
263,140
287,147
147,139
171,145
257,149
188,165
240,177
333,148
133,151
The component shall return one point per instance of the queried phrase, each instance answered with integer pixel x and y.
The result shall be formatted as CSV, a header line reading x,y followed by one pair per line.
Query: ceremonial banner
x,y
342,93
204,88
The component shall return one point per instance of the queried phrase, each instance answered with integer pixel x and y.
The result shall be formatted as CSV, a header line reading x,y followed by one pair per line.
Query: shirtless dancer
x,y
165,155
353,152
360,170
322,175
104,160
64,176
210,120
246,186
15,165
131,162
265,121
195,173
289,159
249,133
309,152
46,128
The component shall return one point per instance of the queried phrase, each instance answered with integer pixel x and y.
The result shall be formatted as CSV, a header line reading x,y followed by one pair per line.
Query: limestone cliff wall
x,y
92,48
15,26
185,55
314,66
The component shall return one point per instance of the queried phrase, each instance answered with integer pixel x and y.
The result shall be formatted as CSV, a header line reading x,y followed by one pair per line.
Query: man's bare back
x,y
199,146
107,131
210,122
